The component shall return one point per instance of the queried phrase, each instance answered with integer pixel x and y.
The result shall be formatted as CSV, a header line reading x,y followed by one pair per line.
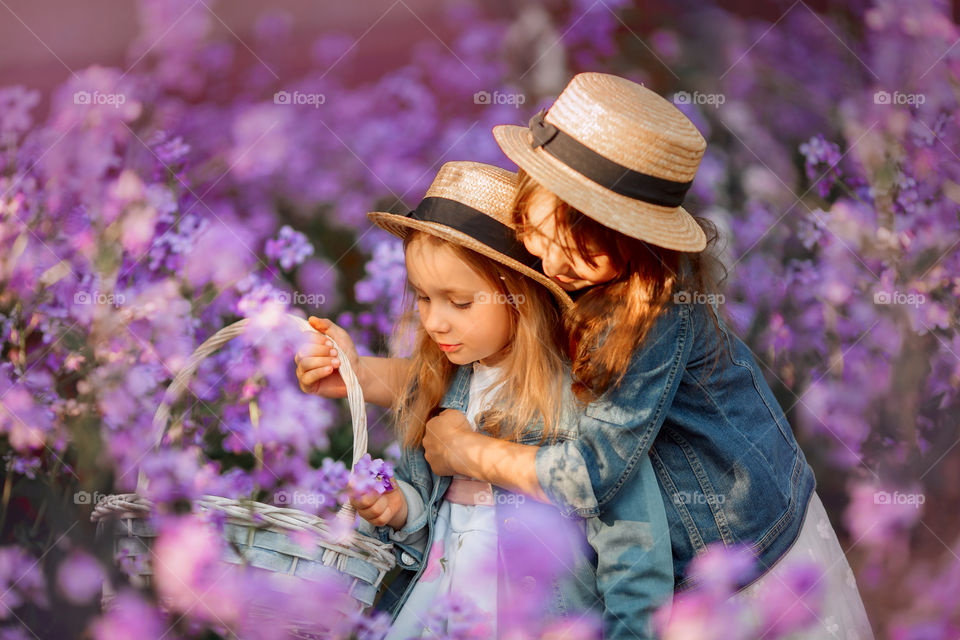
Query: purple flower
x,y
333,476
189,574
80,577
357,626
455,617
820,162
371,475
25,421
172,474
21,581
289,248
792,602
15,106
721,570
219,255
170,151
129,617
319,276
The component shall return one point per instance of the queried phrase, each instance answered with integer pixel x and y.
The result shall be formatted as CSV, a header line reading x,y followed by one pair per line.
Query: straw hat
x,y
617,152
469,203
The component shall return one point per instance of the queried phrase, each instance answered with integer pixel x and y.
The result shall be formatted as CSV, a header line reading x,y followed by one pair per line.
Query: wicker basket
x,y
257,532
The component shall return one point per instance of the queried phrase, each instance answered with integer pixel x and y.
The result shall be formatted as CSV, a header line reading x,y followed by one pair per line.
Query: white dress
x,y
462,559
842,616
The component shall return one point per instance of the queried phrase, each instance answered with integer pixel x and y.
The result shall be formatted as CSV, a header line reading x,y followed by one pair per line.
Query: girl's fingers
x,y
331,329
377,501
314,376
365,501
320,324
309,364
338,334
311,377
312,351
317,351
320,348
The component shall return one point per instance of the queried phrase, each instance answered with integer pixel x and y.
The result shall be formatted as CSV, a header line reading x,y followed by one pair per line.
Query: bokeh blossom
x,y
150,201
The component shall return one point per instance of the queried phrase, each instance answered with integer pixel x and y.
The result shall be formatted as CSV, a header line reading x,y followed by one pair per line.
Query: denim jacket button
x,y
406,558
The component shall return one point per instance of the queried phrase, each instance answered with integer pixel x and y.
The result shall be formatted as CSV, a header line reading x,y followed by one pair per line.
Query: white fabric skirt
x,y
462,561
842,615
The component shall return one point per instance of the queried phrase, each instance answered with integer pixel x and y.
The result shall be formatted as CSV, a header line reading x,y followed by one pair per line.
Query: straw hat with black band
x,y
617,152
469,203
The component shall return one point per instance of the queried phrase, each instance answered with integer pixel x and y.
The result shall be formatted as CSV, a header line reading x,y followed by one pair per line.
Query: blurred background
x,y
172,166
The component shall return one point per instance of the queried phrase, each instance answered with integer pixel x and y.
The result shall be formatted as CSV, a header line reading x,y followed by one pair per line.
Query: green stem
x,y
40,513
7,488
22,355
53,494
258,446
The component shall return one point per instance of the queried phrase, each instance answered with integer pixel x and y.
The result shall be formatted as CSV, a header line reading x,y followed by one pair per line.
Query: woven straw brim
x,y
668,227
401,226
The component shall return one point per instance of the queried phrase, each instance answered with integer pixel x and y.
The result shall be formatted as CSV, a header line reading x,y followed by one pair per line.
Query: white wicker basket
x,y
258,532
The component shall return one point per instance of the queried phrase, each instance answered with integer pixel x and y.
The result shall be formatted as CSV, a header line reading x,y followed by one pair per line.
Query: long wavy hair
x,y
610,321
533,371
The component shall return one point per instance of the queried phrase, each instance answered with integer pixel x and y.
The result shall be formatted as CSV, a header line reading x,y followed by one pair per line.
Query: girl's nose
x,y
434,320
553,260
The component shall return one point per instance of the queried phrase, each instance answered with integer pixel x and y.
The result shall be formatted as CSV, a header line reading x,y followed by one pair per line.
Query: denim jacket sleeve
x,y
616,431
631,539
634,556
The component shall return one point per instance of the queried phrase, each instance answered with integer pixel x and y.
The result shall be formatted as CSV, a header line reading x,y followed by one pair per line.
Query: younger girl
x,y
603,175
487,345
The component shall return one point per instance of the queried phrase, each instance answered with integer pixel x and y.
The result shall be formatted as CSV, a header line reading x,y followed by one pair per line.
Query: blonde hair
x,y
532,369
610,321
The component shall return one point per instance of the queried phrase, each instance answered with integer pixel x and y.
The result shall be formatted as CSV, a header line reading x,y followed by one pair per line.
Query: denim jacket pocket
x,y
608,412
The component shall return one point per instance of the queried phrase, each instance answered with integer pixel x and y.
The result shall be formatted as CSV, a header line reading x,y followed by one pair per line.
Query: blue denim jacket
x,y
624,574
695,402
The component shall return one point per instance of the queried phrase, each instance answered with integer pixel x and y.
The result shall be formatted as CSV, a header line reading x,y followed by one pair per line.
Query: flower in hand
x,y
371,476
372,493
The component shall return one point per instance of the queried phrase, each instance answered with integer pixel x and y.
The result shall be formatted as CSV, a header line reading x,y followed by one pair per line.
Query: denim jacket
x,y
629,540
695,402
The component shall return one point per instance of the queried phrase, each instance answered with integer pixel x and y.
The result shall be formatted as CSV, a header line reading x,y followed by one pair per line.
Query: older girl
x,y
603,175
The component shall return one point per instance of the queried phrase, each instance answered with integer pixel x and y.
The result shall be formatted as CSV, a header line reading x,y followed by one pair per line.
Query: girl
x,y
487,346
603,175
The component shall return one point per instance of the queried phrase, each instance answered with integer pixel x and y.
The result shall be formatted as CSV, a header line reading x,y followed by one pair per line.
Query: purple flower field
x,y
218,165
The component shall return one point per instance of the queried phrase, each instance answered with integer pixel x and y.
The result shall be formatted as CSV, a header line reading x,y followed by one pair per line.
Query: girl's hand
x,y
318,362
388,509
445,442
452,447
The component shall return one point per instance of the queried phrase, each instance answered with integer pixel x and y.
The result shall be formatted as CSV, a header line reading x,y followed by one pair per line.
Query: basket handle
x,y
358,414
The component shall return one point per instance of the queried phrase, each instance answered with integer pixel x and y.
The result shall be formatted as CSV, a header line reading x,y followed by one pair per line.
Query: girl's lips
x,y
448,347
564,279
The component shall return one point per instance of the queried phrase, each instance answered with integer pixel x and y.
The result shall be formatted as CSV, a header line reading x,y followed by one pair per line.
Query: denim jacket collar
x,y
458,393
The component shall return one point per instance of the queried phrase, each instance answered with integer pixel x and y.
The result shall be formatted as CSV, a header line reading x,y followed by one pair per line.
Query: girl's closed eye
x,y
462,305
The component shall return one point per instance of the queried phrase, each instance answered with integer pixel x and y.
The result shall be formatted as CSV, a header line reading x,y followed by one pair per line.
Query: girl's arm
x,y
452,447
581,476
634,557
318,362
382,379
